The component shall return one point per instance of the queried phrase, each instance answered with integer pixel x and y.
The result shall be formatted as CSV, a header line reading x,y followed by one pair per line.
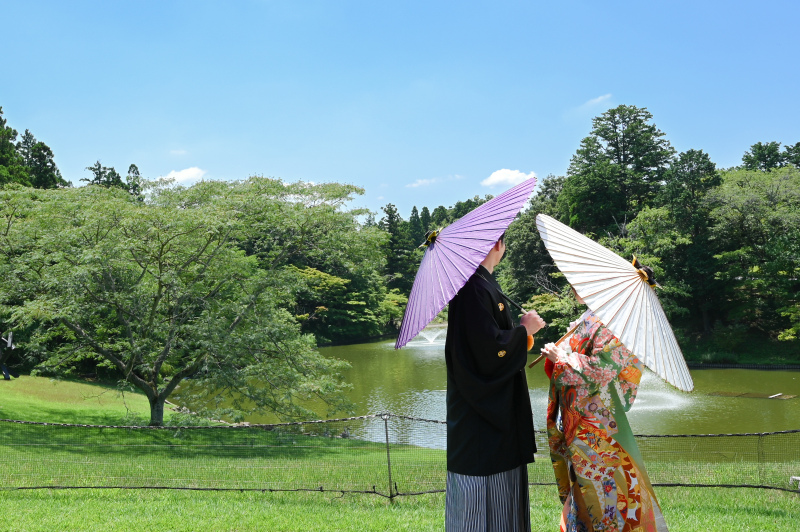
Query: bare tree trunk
x,y
156,410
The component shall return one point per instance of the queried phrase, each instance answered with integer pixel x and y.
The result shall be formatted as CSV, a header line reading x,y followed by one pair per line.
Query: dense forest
x,y
236,283
724,243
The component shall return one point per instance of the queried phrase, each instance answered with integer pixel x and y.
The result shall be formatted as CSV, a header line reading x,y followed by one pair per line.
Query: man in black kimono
x,y
490,437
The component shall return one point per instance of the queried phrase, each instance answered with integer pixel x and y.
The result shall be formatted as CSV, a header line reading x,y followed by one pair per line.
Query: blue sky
x,y
418,102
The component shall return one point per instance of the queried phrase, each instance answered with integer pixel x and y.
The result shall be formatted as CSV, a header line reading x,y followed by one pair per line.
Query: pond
x,y
412,382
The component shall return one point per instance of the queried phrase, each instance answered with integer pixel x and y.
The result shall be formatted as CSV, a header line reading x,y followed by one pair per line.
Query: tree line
x,y
234,284
725,243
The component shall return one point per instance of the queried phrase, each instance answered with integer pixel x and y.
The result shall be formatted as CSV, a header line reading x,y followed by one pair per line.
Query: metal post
x,y
388,457
760,459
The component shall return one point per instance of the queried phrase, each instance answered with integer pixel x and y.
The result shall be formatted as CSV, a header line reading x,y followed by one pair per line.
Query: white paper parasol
x,y
620,297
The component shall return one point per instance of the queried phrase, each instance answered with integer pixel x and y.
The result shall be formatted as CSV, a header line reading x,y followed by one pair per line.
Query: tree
x,y
527,267
792,154
415,228
756,230
305,231
687,182
616,171
42,169
12,166
104,176
400,263
37,159
764,156
134,181
439,218
108,177
462,208
25,147
690,179
425,219
161,291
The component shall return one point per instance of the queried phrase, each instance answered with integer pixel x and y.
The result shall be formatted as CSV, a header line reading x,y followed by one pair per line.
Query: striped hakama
x,y
494,503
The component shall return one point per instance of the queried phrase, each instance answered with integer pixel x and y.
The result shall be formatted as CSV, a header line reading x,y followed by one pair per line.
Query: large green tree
x,y
38,160
337,264
527,268
756,230
691,261
763,156
616,172
161,291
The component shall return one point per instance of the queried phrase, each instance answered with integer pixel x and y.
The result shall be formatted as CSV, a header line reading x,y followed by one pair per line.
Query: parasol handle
x,y
514,303
567,335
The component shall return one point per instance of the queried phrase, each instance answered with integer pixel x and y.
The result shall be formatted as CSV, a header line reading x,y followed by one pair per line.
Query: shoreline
x,y
701,365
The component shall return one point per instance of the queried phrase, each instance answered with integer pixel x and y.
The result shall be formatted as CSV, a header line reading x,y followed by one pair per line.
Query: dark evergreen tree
x,y
400,265
425,219
415,230
616,172
37,158
12,165
108,177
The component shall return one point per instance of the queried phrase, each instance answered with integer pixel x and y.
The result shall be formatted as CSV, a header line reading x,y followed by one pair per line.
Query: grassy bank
x,y
741,349
59,401
283,459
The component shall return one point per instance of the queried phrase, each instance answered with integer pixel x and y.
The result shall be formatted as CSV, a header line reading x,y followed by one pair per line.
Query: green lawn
x,y
686,510
54,401
292,457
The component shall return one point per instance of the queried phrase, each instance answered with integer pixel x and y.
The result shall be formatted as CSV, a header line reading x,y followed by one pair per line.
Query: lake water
x,y
412,381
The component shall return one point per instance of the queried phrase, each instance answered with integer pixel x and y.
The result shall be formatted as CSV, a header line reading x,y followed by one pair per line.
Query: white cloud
x,y
428,182
595,101
506,177
589,107
187,175
422,183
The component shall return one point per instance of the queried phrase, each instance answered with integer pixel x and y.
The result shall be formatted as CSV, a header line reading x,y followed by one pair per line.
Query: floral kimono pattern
x,y
601,478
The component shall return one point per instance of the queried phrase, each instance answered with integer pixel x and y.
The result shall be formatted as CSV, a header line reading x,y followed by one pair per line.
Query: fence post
x,y
388,457
760,459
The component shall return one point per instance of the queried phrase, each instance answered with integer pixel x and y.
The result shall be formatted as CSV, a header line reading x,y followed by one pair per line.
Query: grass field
x,y
283,459
54,401
686,510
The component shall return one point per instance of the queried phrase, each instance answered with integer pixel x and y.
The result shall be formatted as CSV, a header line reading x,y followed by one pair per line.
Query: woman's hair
x,y
502,238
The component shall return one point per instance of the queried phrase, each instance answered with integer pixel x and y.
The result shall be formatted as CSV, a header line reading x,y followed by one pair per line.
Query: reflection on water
x,y
412,381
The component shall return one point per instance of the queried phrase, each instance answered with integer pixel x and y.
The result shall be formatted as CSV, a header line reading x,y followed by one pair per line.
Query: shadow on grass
x,y
185,443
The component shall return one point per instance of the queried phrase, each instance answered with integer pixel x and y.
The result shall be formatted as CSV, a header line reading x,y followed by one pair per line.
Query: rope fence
x,y
382,454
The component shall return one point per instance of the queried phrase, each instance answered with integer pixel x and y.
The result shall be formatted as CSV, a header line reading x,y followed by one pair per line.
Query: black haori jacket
x,y
489,418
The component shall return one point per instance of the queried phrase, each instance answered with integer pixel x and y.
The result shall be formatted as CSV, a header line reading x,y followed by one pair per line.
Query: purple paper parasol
x,y
454,254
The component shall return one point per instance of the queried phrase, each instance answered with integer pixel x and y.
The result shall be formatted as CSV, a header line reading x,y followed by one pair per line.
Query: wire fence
x,y
382,454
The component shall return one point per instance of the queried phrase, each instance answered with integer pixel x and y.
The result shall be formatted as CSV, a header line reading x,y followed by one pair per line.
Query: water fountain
x,y
431,333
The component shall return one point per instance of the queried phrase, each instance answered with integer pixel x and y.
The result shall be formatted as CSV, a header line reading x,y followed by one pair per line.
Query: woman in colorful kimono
x,y
601,478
